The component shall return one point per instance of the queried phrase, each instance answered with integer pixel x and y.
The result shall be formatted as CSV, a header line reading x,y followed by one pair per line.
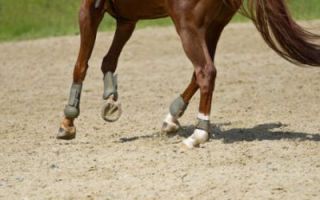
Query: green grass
x,y
28,19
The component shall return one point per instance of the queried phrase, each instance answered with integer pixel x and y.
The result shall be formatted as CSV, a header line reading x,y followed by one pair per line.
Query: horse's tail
x,y
280,31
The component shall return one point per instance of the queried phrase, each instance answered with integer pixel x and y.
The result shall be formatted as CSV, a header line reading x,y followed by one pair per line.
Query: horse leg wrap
x,y
110,86
72,110
203,125
177,107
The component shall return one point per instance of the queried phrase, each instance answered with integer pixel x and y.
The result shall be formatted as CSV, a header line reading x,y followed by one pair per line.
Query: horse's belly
x,y
141,9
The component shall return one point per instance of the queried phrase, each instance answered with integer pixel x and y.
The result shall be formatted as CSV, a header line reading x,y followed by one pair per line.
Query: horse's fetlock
x,y
203,125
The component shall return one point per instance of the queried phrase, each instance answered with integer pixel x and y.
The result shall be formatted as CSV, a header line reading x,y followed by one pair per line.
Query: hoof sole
x,y
111,111
66,134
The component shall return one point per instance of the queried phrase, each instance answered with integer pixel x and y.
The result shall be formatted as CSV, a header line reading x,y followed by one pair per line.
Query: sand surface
x,y
265,123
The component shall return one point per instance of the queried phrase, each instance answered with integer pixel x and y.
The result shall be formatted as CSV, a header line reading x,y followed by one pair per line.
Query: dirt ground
x,y
265,123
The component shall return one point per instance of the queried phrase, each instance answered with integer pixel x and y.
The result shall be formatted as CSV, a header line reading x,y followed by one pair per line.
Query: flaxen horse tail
x,y
277,27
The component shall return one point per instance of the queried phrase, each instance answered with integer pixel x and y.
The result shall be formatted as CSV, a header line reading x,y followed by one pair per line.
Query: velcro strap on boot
x,y
177,107
72,108
203,125
110,86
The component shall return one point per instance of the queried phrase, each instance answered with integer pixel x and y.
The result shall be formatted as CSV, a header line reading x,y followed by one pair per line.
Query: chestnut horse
x,y
199,24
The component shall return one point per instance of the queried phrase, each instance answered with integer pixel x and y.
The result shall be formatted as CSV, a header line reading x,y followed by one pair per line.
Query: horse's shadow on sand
x,y
267,131
257,133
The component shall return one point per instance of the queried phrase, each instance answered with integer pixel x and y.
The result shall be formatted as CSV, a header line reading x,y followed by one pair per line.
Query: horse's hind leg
x,y
111,111
206,80
199,38
201,53
89,20
178,106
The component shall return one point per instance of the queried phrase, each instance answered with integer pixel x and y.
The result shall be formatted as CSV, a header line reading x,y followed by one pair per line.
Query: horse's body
x,y
199,24
139,9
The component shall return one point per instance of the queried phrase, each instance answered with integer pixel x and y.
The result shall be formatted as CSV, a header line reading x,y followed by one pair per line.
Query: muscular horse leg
x,y
199,37
111,111
171,123
90,17
205,76
212,37
123,33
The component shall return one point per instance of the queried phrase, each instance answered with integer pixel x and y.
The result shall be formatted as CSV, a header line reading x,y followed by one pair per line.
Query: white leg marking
x,y
198,137
203,116
170,119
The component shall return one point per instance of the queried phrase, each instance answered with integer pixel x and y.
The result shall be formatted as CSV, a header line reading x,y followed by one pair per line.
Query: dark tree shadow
x,y
257,133
268,131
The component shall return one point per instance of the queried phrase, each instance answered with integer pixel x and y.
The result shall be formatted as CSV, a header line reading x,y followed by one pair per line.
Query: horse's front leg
x,y
90,17
111,111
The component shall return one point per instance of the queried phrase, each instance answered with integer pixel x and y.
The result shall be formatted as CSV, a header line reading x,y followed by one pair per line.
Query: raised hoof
x,y
170,128
66,133
111,111
197,138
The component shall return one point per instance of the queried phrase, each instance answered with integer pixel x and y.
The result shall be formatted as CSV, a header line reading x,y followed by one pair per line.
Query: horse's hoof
x,y
170,125
170,128
197,138
66,133
111,111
